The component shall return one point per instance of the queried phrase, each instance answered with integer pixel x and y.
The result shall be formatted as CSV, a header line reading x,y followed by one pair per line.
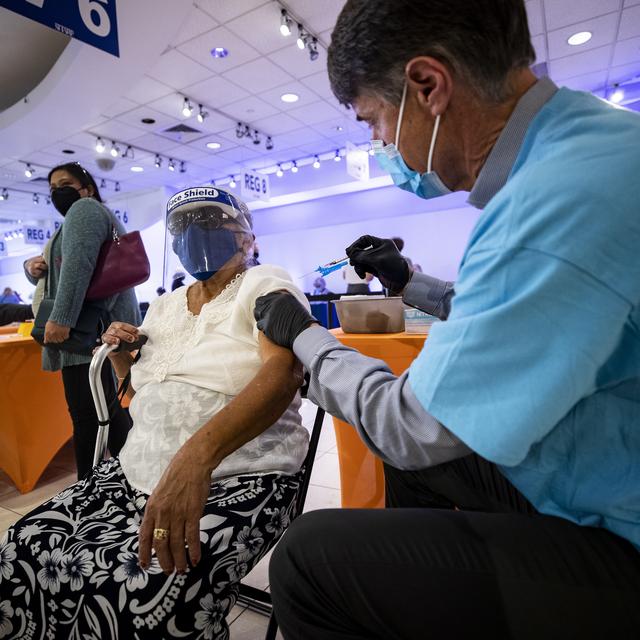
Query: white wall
x,y
436,240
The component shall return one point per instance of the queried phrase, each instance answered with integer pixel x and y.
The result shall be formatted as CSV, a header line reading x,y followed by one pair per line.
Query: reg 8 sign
x,y
255,186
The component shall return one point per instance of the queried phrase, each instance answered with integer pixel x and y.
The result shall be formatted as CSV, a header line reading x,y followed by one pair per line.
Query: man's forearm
x,y
429,294
382,407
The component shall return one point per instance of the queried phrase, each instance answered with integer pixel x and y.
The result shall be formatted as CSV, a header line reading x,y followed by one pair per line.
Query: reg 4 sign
x,y
255,186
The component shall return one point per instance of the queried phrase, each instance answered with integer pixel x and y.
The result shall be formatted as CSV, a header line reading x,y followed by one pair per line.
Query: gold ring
x,y
160,534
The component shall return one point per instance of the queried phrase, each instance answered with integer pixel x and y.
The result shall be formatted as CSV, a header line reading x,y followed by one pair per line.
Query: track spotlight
x,y
202,114
28,171
256,137
279,172
158,161
103,184
268,144
115,151
239,130
117,187
232,182
294,167
183,169
187,108
337,157
36,198
4,195
48,200
128,152
313,49
172,165
285,23
316,163
14,234
20,234
302,37
617,96
100,145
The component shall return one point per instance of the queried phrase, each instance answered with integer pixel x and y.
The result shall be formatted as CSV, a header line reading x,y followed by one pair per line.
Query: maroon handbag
x,y
122,264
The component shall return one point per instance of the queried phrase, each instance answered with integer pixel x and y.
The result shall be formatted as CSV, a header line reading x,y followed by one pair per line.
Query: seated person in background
x,y
9,296
178,280
212,459
320,287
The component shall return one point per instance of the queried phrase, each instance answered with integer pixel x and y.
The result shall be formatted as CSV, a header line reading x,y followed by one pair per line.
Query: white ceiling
x,y
261,66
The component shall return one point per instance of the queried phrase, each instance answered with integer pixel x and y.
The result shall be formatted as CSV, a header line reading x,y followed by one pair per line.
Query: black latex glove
x,y
383,260
281,317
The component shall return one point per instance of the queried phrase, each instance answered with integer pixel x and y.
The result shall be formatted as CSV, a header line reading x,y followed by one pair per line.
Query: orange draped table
x,y
361,473
34,421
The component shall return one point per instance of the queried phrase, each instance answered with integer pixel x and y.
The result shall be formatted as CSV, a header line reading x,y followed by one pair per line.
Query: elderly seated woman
x,y
209,472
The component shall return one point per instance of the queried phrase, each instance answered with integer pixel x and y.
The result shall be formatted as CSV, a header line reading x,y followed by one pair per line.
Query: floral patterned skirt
x,y
70,569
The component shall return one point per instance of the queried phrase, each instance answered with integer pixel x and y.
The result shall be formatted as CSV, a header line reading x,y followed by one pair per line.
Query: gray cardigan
x,y
74,252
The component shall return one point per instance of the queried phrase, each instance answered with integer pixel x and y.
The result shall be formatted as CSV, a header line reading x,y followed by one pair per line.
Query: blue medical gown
x,y
538,366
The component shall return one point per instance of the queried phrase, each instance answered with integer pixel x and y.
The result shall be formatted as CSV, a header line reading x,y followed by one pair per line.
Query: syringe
x,y
330,267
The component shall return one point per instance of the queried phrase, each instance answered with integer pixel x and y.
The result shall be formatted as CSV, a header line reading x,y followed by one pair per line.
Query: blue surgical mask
x,y
203,252
428,185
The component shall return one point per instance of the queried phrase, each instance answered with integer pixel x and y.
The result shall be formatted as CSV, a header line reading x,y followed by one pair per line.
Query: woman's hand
x,y
120,332
36,267
176,505
55,333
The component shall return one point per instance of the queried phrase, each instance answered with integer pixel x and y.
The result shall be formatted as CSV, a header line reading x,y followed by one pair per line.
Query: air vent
x,y
39,179
181,133
181,128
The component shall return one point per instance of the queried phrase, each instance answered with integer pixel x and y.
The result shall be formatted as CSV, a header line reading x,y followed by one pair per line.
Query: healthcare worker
x,y
512,444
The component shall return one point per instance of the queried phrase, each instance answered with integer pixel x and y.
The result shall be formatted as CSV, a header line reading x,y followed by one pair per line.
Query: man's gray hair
x,y
480,40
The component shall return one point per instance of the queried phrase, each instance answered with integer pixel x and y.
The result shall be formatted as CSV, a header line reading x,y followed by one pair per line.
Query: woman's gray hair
x,y
480,40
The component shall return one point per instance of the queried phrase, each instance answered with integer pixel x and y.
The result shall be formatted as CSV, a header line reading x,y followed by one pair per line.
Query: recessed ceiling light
x,y
219,52
213,145
617,96
68,151
137,169
289,97
579,38
148,121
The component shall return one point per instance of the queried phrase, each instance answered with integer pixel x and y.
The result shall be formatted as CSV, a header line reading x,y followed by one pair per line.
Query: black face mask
x,y
63,198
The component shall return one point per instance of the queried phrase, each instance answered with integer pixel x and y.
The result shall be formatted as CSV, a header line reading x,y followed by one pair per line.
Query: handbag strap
x,y
122,390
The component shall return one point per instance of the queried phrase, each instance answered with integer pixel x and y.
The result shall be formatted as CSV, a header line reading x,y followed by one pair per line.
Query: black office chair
x,y
259,600
250,596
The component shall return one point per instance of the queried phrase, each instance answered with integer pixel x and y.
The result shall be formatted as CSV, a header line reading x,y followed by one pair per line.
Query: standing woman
x,y
63,273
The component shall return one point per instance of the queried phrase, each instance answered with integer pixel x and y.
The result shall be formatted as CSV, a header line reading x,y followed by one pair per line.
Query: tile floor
x,y
324,492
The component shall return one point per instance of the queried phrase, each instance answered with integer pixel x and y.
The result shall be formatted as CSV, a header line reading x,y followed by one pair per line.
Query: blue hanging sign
x,y
91,21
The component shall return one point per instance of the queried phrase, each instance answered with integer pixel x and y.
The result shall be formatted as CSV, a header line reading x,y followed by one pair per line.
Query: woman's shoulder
x,y
265,278
263,272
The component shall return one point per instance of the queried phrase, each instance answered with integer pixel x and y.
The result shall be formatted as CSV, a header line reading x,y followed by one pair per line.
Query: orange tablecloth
x,y
34,421
361,474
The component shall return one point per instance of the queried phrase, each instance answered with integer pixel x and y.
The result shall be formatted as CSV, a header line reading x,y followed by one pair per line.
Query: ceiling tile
x,y
298,63
177,70
170,105
560,13
187,152
587,82
305,135
213,123
249,109
147,89
319,82
273,96
262,28
623,73
154,143
202,144
215,92
540,45
603,29
120,106
224,10
630,24
315,113
82,140
200,49
627,51
277,124
628,3
581,63
239,155
197,23
534,15
317,16
134,118
80,152
118,131
213,162
258,75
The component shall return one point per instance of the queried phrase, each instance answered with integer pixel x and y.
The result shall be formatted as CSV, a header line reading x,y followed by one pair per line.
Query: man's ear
x,y
432,82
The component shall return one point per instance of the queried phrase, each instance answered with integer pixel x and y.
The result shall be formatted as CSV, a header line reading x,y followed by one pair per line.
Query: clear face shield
x,y
205,230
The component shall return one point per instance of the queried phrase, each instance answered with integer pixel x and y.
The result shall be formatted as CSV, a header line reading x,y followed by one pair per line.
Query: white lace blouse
x,y
191,367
